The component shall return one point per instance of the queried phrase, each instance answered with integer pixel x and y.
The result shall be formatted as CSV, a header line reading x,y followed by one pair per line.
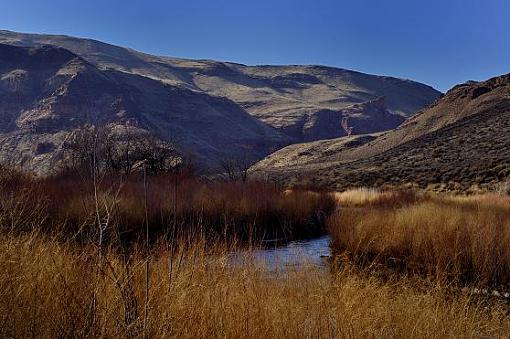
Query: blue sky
x,y
440,43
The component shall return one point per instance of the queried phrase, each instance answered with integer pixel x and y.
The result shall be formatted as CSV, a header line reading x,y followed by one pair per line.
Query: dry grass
x,y
458,239
485,200
43,293
360,196
371,197
185,285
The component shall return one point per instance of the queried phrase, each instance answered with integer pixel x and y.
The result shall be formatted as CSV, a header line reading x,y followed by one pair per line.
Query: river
x,y
295,253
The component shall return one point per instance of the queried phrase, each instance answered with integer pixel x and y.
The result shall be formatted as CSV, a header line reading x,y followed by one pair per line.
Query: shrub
x,y
168,204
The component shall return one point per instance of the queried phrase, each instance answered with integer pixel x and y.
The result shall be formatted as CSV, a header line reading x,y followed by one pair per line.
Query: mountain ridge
x,y
280,96
275,105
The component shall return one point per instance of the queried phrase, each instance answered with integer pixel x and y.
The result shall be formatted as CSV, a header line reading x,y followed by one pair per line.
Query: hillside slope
x,y
47,92
298,100
461,141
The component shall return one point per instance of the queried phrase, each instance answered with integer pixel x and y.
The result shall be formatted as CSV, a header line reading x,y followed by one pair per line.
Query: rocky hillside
x,y
304,102
300,156
48,92
461,142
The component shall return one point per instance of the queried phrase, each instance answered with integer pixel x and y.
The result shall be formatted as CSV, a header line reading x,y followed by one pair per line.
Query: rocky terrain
x,y
298,100
48,92
52,84
462,142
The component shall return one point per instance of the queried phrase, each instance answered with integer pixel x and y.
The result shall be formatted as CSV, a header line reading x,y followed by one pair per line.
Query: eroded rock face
x,y
367,117
364,118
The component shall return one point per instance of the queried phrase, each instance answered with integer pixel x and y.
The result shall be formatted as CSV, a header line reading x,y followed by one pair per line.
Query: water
x,y
295,253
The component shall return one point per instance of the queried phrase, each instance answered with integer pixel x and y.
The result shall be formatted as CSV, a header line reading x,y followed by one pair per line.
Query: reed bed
x,y
50,289
169,205
151,257
464,240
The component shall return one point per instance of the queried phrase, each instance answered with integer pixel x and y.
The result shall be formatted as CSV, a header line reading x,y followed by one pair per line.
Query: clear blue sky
x,y
438,42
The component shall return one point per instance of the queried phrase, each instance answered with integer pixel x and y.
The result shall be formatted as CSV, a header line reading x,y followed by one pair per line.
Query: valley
x,y
151,196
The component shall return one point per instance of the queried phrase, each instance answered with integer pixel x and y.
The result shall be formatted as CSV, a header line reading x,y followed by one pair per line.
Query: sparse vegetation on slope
x,y
59,92
461,143
212,109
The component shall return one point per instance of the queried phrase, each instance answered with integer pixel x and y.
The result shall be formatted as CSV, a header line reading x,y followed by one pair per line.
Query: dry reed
x,y
456,239
46,290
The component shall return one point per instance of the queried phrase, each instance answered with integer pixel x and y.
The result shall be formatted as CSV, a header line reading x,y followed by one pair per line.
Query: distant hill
x,y
212,109
459,143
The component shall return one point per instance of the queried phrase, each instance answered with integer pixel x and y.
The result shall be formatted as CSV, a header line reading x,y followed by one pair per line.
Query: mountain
x,y
52,85
300,101
461,142
48,92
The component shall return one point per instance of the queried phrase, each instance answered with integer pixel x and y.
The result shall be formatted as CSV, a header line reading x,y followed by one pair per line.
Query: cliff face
x,y
368,117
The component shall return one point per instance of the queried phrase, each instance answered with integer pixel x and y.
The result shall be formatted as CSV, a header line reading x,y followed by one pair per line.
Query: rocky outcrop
x,y
364,118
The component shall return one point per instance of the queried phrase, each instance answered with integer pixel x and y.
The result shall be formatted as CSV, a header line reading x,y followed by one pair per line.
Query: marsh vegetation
x,y
126,258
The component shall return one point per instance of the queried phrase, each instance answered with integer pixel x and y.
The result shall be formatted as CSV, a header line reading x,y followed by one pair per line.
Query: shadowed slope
x,y
459,142
47,92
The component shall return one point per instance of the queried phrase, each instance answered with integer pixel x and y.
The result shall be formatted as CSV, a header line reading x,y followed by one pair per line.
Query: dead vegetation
x,y
80,259
49,289
170,205
455,240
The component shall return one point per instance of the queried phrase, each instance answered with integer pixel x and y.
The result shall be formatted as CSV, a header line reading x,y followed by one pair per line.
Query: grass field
x,y
463,240
79,259
50,289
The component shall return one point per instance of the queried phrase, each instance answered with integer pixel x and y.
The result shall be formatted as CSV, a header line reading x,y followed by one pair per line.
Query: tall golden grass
x,y
456,239
49,289
65,270
371,197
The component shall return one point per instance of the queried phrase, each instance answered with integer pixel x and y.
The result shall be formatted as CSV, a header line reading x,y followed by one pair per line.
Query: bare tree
x,y
157,156
235,168
91,151
84,149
